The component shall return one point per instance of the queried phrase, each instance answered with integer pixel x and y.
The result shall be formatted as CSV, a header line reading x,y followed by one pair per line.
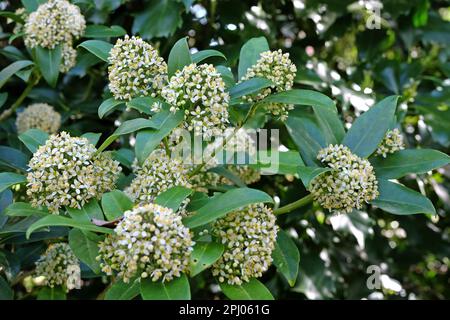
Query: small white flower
x,y
392,142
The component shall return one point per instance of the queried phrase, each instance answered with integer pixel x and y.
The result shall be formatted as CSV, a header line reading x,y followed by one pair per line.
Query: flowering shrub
x,y
139,167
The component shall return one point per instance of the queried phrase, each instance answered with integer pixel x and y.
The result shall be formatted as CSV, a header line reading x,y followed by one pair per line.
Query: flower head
x,y
200,91
249,235
60,267
66,171
150,241
136,69
350,184
278,68
392,142
38,116
68,58
54,22
158,173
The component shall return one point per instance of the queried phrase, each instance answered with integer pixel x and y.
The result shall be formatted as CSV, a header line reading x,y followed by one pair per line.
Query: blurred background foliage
x,y
341,48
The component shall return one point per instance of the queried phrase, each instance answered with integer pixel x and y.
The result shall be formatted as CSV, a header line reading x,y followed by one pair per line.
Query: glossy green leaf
x,y
98,48
249,87
89,211
308,174
12,159
302,97
8,179
250,54
225,203
84,245
252,290
176,289
286,257
205,54
99,31
123,291
115,203
32,5
332,127
108,106
33,139
55,293
23,209
48,61
398,199
405,162
276,162
124,156
143,104
173,197
203,256
92,137
12,69
179,56
369,129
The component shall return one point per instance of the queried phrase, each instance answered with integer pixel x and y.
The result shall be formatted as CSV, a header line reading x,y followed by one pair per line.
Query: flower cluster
x,y
245,173
150,241
249,235
200,91
158,173
59,267
38,116
278,68
351,182
392,142
136,69
66,171
56,22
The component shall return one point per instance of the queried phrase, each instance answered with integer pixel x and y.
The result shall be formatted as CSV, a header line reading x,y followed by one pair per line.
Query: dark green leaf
x,y
249,87
276,162
124,156
203,256
85,246
286,257
99,31
250,54
252,290
143,104
6,292
332,127
33,139
176,289
48,61
89,211
308,174
115,203
173,197
55,293
205,54
107,106
22,209
12,69
13,159
8,179
179,57
98,48
92,137
123,291
302,97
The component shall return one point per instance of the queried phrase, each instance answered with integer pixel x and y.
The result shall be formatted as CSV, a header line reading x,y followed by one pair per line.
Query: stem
x,y
31,83
294,205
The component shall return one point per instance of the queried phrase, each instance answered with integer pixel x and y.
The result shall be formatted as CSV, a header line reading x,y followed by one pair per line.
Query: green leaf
x,y
179,57
49,61
176,289
332,127
203,256
127,127
143,104
124,156
92,137
98,48
148,140
33,139
12,69
308,174
227,76
11,15
8,179
225,203
123,291
160,19
55,220
55,293
23,209
249,87
302,97
14,159
405,162
369,129
286,257
6,292
252,290
276,162
250,54
205,54
99,31
224,172
107,106
3,98
84,245
115,203
32,5
173,197
89,211
398,199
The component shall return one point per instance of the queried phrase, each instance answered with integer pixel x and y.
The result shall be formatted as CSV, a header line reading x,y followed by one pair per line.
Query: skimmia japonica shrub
x,y
170,203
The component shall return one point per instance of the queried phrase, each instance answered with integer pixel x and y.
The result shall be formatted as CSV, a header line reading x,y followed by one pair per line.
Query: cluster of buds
x,y
350,183
38,116
67,171
59,266
392,142
200,91
150,242
135,69
55,23
249,235
278,68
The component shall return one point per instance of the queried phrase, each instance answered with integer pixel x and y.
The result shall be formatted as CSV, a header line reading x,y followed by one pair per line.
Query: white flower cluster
x,y
278,68
249,235
158,173
392,142
150,241
65,171
56,22
200,91
136,69
59,267
350,184
245,173
38,116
